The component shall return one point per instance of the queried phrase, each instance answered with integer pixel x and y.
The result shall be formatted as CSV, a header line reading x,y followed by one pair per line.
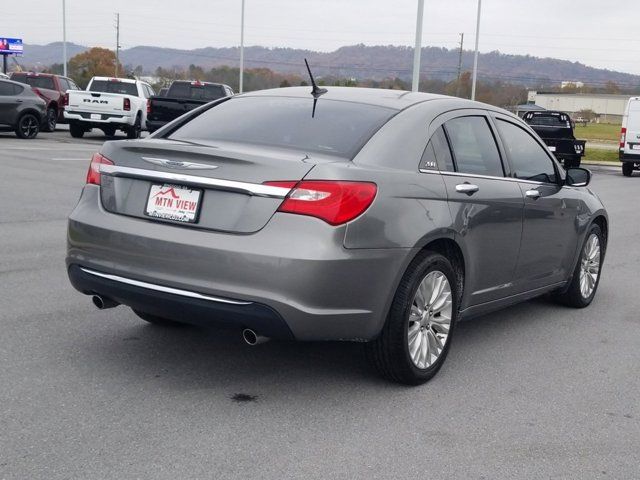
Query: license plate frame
x,y
180,192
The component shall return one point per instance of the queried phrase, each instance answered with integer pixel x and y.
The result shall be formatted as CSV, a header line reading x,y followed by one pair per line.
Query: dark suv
x,y
52,89
21,109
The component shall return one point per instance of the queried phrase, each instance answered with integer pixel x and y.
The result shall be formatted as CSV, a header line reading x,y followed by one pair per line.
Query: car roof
x,y
395,99
20,84
36,74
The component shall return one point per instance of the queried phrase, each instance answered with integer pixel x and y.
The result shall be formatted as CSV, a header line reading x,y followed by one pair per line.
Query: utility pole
x,y
475,57
460,64
417,52
117,42
241,49
64,38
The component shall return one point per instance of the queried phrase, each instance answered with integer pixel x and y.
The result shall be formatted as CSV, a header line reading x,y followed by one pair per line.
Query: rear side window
x,y
336,128
529,159
35,82
437,154
109,86
197,91
474,148
7,89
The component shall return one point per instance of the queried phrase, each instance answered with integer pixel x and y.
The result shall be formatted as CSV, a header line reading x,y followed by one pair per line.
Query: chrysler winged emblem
x,y
178,164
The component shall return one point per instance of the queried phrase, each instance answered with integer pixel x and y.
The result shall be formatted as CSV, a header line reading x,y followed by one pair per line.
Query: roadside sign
x,y
11,46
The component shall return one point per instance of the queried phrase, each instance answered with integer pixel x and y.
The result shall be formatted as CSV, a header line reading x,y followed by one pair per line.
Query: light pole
x,y
475,57
241,49
418,47
64,38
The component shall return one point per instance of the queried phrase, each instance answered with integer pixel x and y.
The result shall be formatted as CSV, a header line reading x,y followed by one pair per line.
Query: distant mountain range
x,y
358,61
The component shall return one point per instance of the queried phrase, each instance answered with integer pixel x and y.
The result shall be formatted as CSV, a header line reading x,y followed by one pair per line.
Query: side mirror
x,y
578,177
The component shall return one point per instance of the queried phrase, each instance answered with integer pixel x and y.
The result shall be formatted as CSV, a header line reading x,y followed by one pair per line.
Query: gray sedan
x,y
365,215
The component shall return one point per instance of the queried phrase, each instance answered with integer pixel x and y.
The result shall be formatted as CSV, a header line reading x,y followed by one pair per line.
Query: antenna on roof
x,y
316,91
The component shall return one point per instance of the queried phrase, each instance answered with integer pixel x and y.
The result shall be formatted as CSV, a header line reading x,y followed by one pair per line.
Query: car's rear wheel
x,y
627,169
155,320
109,131
51,120
416,337
28,126
586,275
135,130
76,131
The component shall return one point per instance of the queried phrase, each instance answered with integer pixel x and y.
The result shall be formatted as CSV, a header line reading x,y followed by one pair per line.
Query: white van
x,y
630,137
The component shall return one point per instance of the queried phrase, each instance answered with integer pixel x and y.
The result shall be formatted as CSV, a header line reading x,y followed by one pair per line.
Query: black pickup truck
x,y
182,96
556,130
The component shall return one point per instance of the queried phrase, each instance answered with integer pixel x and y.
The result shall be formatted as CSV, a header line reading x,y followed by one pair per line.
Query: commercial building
x,y
608,107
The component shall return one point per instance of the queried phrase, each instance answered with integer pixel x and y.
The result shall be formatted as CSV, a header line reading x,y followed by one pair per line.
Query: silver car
x,y
364,215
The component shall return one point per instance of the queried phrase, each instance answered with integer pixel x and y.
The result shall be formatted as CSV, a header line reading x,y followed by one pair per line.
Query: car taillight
x,y
65,100
623,137
148,105
126,104
335,202
93,175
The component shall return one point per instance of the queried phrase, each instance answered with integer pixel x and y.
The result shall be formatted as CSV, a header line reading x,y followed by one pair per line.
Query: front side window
x,y
474,148
528,157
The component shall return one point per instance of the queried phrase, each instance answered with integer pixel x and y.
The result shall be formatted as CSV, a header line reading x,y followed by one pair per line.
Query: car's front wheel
x,y
416,337
586,275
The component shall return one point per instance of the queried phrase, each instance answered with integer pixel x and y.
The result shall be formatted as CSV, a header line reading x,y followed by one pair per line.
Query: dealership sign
x,y
11,46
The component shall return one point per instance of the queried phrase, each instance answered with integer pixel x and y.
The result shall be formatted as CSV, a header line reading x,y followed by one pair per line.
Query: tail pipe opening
x,y
103,303
252,338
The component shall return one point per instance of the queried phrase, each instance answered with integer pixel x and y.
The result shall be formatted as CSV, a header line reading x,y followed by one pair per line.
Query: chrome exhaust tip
x,y
252,338
102,303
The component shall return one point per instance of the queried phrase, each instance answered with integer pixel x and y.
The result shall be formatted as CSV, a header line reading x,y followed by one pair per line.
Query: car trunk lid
x,y
225,180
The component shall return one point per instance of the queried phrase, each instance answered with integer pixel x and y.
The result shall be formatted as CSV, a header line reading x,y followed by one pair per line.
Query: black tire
x,y
572,296
389,352
109,131
28,126
627,169
155,320
76,130
135,130
50,120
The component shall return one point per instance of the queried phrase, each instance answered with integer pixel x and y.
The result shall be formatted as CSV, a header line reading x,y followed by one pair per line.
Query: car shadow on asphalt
x,y
196,358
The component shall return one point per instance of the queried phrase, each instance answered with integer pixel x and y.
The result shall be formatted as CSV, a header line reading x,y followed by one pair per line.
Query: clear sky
x,y
604,34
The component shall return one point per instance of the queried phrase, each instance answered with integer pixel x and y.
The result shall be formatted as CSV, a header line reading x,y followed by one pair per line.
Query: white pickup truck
x,y
109,104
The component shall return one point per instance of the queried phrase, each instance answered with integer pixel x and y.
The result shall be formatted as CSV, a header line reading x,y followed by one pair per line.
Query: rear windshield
x,y
549,120
37,82
196,92
109,86
337,128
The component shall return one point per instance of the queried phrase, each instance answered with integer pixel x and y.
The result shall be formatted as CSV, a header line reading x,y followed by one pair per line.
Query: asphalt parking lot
x,y
534,391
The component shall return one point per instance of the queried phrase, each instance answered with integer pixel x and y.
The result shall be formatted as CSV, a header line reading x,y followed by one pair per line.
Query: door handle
x,y
18,101
467,188
533,194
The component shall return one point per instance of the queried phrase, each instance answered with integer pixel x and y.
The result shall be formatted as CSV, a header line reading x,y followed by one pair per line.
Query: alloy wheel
x,y
29,126
429,319
589,265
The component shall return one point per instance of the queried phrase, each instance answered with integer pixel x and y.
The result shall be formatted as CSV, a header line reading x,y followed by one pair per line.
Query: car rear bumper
x,y
106,119
629,157
295,270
